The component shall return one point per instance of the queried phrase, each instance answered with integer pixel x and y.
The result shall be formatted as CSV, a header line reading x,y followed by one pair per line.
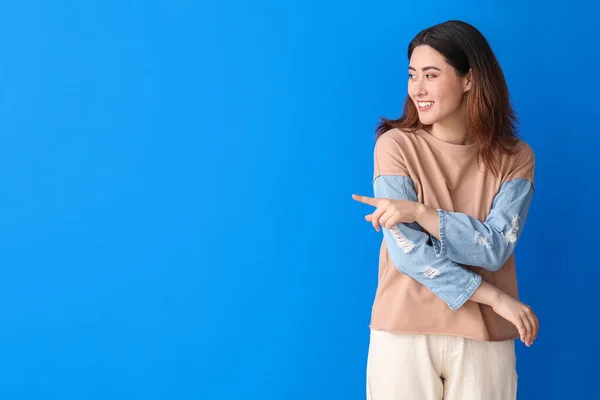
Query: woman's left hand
x,y
390,212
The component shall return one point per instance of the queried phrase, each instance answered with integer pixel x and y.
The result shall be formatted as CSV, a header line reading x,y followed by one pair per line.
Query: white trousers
x,y
436,367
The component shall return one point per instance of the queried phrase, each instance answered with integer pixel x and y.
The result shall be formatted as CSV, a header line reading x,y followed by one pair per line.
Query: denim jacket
x,y
463,239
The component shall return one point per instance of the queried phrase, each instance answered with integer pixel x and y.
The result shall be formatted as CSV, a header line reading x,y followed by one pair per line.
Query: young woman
x,y
453,185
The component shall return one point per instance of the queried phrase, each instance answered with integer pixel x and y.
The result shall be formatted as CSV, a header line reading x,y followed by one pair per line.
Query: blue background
x,y
175,177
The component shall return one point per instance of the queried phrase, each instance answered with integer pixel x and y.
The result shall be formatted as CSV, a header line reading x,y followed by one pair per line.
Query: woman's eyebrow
x,y
425,68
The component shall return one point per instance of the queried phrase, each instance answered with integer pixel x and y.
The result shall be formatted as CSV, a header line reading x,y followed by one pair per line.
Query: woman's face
x,y
434,86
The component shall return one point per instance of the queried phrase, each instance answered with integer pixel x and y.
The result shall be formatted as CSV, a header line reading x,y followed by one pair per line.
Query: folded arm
x,y
410,252
488,244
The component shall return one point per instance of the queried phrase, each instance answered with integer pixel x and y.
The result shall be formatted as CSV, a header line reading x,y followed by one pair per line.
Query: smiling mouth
x,y
425,105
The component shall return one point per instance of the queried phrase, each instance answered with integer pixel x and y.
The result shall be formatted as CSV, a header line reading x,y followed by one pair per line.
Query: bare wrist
x,y
487,294
420,210
495,297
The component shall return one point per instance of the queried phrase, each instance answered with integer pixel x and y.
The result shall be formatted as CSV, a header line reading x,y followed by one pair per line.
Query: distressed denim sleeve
x,y
466,240
410,252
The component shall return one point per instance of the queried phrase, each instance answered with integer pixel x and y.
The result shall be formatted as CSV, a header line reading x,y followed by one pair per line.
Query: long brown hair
x,y
490,117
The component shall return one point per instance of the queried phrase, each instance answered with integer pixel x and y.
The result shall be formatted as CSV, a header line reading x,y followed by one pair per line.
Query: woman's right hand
x,y
519,314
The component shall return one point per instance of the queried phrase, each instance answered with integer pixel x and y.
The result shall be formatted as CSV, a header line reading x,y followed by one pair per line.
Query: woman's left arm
x,y
488,244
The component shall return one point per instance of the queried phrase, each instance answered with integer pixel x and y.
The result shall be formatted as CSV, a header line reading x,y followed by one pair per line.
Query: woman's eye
x,y
430,76
410,76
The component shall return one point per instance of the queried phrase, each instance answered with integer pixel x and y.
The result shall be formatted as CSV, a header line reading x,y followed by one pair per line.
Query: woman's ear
x,y
468,80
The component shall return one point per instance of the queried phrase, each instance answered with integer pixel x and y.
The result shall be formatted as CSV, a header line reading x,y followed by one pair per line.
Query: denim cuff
x,y
439,246
464,297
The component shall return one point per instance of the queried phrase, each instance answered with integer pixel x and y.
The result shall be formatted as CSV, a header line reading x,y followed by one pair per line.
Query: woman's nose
x,y
419,90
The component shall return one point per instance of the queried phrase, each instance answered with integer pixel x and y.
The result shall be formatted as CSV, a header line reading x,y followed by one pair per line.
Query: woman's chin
x,y
426,121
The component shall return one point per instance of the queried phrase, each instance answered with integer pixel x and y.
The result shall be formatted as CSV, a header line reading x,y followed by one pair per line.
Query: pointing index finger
x,y
365,199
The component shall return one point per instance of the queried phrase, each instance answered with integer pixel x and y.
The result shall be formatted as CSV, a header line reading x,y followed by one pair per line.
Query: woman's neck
x,y
453,129
450,134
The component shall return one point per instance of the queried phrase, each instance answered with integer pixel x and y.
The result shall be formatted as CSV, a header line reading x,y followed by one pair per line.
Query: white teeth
x,y
424,104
